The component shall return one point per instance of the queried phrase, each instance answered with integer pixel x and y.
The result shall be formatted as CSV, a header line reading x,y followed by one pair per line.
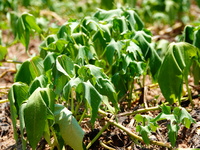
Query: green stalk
x,y
106,146
189,93
130,89
82,117
72,100
139,111
55,143
4,101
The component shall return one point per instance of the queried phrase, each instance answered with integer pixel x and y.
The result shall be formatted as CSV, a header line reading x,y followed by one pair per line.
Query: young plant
x,y
175,70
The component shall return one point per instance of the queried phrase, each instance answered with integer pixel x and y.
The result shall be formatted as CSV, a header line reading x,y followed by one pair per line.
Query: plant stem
x,y
106,146
11,61
139,111
82,116
189,92
134,136
55,143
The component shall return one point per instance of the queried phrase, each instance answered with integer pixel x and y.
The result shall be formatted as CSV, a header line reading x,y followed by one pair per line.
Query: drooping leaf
x,y
29,70
144,131
49,61
30,22
74,82
65,65
22,125
134,20
112,48
57,46
18,93
35,115
103,85
183,116
104,15
25,24
148,52
174,69
70,130
3,52
40,81
92,96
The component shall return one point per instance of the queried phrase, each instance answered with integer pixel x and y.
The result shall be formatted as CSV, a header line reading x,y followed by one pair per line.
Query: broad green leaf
x,y
70,130
102,84
189,34
18,93
172,133
74,82
112,48
35,115
29,70
144,131
40,81
23,33
57,46
49,61
183,116
174,70
90,24
80,38
148,52
25,24
92,96
30,22
134,20
84,55
120,25
3,52
104,15
65,65
22,124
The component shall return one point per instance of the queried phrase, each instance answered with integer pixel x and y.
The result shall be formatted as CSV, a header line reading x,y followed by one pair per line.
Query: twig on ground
x,y
106,146
5,72
139,111
11,61
133,135
4,101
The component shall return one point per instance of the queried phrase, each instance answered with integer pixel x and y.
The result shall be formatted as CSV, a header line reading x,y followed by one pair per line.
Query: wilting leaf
x,y
70,130
174,69
29,70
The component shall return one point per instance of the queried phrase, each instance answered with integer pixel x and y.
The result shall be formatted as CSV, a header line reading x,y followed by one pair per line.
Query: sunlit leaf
x,y
29,70
70,130
34,121
174,68
3,52
92,96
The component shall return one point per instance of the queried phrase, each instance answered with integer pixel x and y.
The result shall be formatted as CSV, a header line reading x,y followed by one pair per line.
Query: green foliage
x,y
92,64
68,126
175,69
3,52
192,35
25,24
178,116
